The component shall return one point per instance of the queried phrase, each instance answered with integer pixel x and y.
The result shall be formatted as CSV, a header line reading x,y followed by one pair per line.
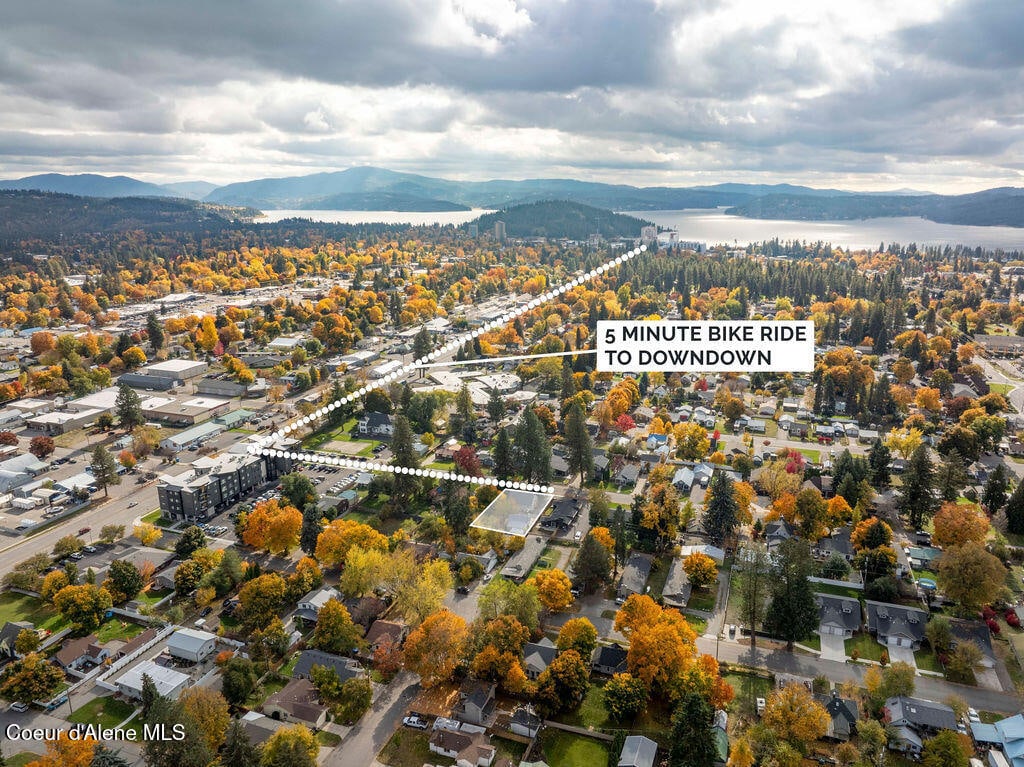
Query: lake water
x,y
714,227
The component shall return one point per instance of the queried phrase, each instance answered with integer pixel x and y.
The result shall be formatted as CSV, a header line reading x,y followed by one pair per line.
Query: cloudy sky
x,y
866,94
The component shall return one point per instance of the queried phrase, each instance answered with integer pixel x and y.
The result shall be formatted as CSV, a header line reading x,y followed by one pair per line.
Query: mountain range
x,y
368,188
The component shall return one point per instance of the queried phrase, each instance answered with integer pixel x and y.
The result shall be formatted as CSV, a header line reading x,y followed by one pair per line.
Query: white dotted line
x,y
262,445
329,460
450,346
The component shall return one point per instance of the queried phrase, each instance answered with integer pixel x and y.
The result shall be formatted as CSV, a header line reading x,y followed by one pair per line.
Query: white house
x,y
168,682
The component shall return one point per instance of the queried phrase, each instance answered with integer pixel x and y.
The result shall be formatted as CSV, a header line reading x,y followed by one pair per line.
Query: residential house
x,y
914,720
838,615
683,479
922,557
977,632
563,515
383,632
365,610
76,653
896,625
559,467
707,549
776,532
843,716
634,576
468,749
308,608
798,429
601,466
375,425
638,751
608,660
677,586
476,703
627,475
9,635
521,563
345,668
537,656
1005,738
836,543
525,722
822,483
298,701
488,561
192,645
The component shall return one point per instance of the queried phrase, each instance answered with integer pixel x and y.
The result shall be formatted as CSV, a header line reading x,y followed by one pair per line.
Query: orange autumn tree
x,y
957,523
333,544
273,526
65,752
436,647
603,536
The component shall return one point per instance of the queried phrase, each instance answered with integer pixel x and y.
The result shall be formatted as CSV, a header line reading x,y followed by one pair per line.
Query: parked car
x,y
133,504
21,708
89,549
462,590
415,722
206,611
84,530
77,555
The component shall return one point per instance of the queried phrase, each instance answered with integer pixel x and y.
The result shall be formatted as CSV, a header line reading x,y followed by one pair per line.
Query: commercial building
x,y
181,370
186,412
63,421
215,483
192,645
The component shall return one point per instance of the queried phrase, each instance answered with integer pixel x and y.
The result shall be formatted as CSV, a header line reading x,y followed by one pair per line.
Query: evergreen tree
x,y
532,449
792,614
128,407
104,757
1015,510
464,414
568,382
149,694
621,535
721,516
155,331
312,525
994,496
338,415
104,469
879,458
422,344
592,566
504,461
917,497
455,507
693,739
190,751
495,405
577,441
755,583
404,455
238,750
951,477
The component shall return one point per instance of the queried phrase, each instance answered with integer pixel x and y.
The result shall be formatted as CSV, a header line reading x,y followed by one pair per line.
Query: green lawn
x,y
567,750
841,591
703,599
609,614
19,607
1000,388
271,684
21,759
591,712
512,750
115,628
152,596
866,644
659,574
411,748
813,641
107,712
927,660
156,518
287,668
812,455
747,688
699,625
328,739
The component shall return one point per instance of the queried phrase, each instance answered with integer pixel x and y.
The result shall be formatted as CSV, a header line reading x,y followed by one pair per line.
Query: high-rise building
x,y
499,231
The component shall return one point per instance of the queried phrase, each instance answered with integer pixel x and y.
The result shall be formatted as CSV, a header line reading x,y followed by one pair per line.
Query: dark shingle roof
x,y
344,667
896,620
838,611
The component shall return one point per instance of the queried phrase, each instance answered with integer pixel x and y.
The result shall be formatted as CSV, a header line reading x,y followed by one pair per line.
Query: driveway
x,y
833,647
904,654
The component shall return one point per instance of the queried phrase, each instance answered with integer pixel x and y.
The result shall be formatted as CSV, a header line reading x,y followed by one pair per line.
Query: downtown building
x,y
213,484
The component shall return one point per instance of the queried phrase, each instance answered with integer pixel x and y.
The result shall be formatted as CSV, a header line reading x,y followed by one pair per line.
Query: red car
x,y
84,530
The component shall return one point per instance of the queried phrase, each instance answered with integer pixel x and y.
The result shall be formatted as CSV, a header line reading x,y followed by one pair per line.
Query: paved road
x,y
780,661
368,737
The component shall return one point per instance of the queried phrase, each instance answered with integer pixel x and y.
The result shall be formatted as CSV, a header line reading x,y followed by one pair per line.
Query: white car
x,y
21,708
414,722
972,715
578,535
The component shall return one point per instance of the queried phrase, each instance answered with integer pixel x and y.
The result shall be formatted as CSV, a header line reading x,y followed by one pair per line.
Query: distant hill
x,y
561,218
47,215
328,190
381,201
88,185
992,207
193,190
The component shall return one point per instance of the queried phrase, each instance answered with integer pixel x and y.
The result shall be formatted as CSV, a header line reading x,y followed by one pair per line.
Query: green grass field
x,y
20,607
867,646
410,748
703,599
115,628
567,750
106,712
591,712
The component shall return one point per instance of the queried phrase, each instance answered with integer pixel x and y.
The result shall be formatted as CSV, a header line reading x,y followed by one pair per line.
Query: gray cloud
x,y
668,90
